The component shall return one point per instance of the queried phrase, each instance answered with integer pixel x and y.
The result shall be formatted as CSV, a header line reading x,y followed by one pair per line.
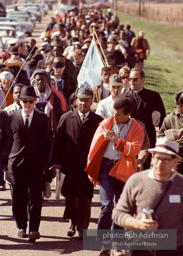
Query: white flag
x,y
90,72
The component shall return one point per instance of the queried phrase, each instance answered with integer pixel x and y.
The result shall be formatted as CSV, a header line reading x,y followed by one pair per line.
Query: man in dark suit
x,y
150,107
27,161
74,135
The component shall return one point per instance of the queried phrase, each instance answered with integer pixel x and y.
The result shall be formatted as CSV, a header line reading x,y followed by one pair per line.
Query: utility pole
x,y
140,8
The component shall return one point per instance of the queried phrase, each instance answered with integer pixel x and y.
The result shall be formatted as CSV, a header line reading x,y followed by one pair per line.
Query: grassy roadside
x,y
164,67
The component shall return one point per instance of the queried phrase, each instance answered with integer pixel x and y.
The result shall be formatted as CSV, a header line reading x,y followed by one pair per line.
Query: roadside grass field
x,y
164,66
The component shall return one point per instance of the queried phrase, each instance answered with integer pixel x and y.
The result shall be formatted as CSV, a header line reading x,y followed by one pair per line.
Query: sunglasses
x,y
133,79
30,101
4,58
125,77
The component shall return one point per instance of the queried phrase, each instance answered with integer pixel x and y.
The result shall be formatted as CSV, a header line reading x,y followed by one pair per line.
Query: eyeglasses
x,y
164,160
133,79
125,77
30,101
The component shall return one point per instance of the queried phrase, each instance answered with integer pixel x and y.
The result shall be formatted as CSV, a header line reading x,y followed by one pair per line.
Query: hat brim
x,y
163,150
80,96
116,84
28,97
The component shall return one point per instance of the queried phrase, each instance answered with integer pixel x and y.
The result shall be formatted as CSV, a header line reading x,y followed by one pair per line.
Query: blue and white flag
x,y
90,72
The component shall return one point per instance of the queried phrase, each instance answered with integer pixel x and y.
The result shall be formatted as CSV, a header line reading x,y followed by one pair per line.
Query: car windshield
x,y
7,33
21,18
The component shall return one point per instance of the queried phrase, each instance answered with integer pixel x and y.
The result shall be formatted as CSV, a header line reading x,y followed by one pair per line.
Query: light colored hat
x,y
115,80
6,75
43,35
141,34
163,145
54,34
44,46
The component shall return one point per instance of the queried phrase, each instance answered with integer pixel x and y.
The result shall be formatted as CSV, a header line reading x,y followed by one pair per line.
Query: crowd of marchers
x,y
103,136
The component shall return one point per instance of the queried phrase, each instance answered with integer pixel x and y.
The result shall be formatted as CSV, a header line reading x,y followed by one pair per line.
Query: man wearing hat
x,y
6,78
74,134
112,158
27,160
105,106
175,121
159,189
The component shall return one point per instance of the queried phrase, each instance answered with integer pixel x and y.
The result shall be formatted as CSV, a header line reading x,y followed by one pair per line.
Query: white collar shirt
x,y
24,116
105,107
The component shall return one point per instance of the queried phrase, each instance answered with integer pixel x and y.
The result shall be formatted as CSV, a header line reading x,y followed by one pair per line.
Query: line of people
x,y
93,136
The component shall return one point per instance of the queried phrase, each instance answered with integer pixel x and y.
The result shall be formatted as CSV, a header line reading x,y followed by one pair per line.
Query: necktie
x,y
83,117
27,123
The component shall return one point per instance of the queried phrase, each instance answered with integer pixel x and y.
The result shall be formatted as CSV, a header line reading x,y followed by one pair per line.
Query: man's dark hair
x,y
128,27
142,74
105,69
124,103
18,85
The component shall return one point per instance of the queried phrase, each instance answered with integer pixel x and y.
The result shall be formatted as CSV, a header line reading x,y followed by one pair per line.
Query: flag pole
x,y
101,48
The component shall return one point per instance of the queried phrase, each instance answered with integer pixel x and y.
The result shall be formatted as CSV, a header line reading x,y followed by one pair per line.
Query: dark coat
x,y
72,143
57,111
6,136
33,145
148,101
34,60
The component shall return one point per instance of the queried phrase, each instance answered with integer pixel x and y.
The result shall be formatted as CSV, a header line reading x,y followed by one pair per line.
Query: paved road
x,y
53,241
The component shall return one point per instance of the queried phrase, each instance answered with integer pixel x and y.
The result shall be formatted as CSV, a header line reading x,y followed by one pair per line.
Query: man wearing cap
x,y
74,134
112,158
175,121
4,56
160,189
6,78
105,106
27,160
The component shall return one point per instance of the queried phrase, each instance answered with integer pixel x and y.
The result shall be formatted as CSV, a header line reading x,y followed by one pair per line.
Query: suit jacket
x,y
72,143
33,145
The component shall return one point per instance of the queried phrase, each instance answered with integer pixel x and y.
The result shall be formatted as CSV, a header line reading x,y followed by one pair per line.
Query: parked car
x,y
28,26
8,33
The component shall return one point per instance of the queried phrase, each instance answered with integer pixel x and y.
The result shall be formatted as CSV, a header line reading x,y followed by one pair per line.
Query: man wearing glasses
x,y
159,189
27,160
150,107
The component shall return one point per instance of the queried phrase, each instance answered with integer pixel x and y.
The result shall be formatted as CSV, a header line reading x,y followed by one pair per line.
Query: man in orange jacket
x,y
112,157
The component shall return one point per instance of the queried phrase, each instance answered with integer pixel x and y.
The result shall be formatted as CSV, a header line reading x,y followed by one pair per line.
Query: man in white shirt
x,y
16,94
105,106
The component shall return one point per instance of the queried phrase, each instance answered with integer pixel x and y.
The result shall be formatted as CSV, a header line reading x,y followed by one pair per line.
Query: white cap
x,y
163,145
57,33
6,75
